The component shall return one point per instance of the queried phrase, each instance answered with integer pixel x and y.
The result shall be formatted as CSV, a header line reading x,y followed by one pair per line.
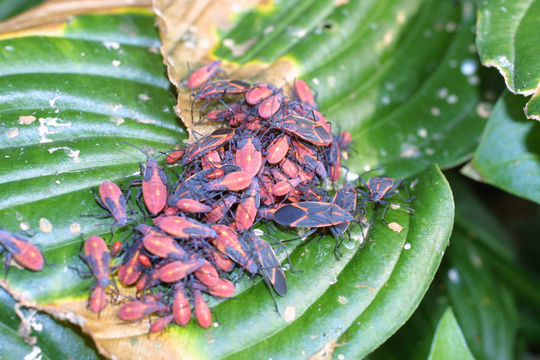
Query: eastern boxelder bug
x,y
22,250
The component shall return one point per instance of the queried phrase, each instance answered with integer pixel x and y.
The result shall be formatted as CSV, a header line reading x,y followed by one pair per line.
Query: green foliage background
x,y
403,76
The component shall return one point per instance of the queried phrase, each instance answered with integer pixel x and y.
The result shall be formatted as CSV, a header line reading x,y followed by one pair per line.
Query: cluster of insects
x,y
271,161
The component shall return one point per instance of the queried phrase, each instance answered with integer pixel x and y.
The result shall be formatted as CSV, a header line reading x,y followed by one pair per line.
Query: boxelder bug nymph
x,y
303,93
181,307
381,188
154,188
97,256
177,270
202,311
136,310
199,77
258,93
21,249
246,211
228,243
112,199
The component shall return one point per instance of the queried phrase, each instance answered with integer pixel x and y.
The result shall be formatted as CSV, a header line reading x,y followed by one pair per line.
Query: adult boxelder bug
x,y
207,143
21,249
305,129
220,88
202,75
154,188
269,264
311,214
381,188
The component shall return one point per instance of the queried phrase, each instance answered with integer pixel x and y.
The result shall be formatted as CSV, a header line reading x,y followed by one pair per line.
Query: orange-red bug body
x,y
235,181
97,256
222,288
222,262
258,93
113,200
248,156
207,274
161,323
246,211
185,228
129,272
303,93
202,75
192,206
136,310
22,250
98,299
227,242
177,270
278,149
269,107
181,307
202,311
164,247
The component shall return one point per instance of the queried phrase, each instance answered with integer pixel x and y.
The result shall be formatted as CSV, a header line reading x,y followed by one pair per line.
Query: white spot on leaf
x,y
45,225
69,152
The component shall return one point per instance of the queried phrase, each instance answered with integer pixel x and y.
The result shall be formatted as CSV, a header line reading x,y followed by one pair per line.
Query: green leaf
x,y
508,155
507,39
100,81
483,306
55,339
413,340
449,342
400,75
67,100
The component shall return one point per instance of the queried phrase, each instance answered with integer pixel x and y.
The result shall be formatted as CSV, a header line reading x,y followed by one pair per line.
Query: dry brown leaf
x,y
188,30
113,337
49,17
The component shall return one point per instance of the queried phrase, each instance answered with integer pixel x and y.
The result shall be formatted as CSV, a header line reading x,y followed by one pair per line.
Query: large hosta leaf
x,y
507,39
509,152
399,74
67,101
449,342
